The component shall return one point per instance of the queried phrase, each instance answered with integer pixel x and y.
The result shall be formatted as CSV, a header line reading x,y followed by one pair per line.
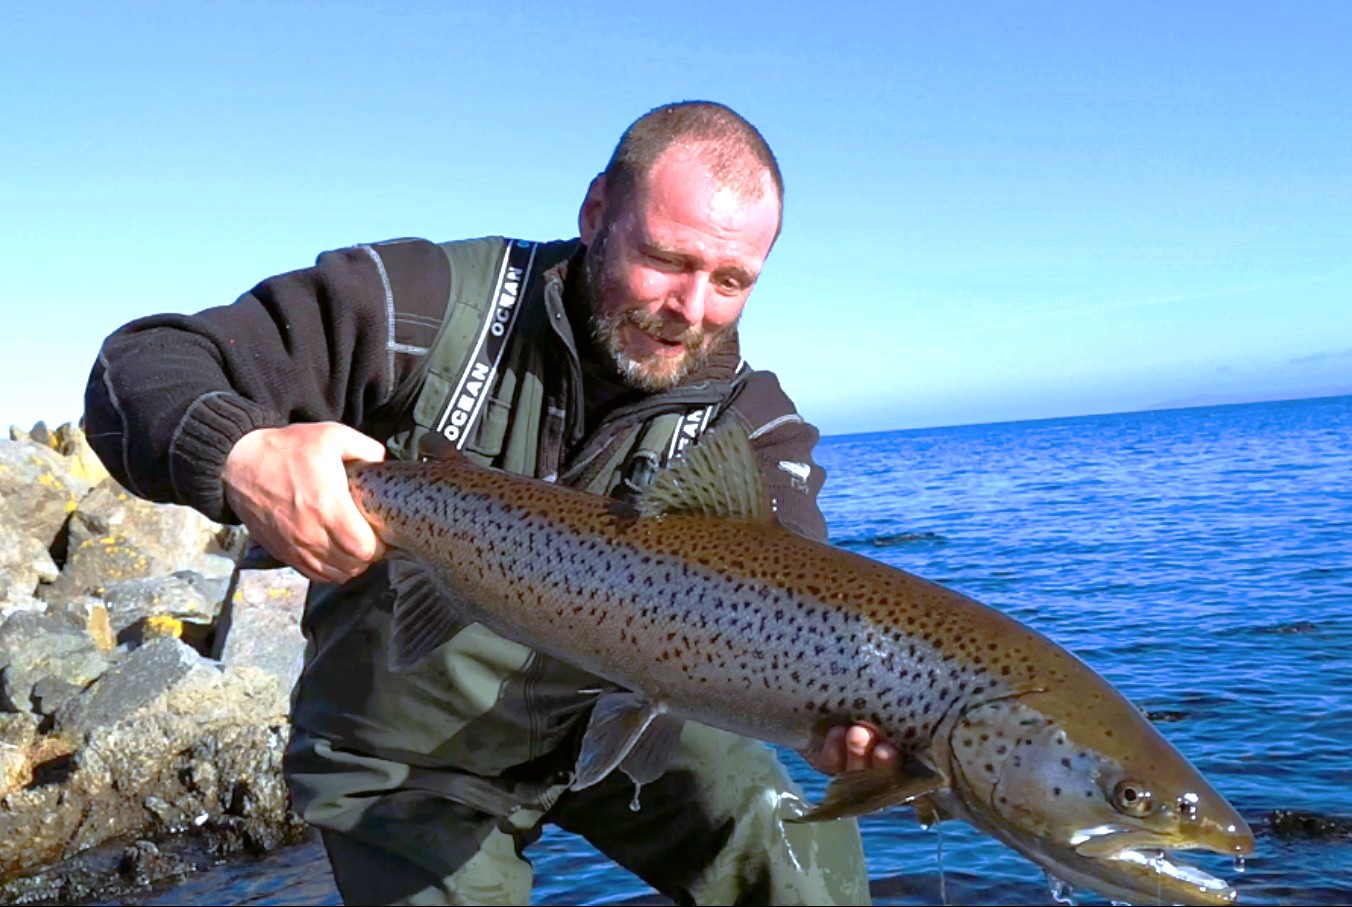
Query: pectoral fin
x,y
619,721
859,793
426,614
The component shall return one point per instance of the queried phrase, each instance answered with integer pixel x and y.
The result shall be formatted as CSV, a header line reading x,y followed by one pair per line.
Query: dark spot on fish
x,y
1065,762
1056,791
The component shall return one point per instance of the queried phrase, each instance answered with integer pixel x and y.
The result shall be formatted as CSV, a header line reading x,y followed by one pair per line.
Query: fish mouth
x,y
1139,867
1161,873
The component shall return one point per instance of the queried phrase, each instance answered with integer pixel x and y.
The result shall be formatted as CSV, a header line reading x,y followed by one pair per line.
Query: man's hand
x,y
849,749
289,487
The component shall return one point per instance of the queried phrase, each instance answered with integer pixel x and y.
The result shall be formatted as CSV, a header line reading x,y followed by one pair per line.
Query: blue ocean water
x,y
1200,559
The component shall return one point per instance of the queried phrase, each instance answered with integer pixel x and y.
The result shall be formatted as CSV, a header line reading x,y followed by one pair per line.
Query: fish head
x,y
1085,786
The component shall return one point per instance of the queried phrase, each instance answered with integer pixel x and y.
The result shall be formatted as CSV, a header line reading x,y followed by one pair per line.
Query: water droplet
x,y
939,856
1241,864
634,805
1062,892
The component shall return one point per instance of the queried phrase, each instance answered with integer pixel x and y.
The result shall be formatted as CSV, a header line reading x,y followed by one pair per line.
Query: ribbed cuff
x,y
203,441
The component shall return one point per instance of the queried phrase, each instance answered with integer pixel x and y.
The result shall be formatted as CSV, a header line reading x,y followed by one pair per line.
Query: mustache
x,y
655,326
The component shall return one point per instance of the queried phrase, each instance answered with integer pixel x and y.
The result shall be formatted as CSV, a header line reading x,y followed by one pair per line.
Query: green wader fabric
x,y
428,784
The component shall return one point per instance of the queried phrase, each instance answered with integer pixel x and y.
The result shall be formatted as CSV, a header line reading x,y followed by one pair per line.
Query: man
x,y
590,363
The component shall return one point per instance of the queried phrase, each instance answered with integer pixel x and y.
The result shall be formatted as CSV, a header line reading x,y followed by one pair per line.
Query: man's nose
x,y
690,297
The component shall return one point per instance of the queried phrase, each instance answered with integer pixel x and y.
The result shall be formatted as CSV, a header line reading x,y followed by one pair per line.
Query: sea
x,y
1199,559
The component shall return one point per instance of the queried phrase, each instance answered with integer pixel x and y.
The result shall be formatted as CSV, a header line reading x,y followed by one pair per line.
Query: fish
x,y
697,605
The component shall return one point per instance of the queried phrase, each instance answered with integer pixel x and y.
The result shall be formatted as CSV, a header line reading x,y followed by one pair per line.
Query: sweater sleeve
x,y
783,442
169,395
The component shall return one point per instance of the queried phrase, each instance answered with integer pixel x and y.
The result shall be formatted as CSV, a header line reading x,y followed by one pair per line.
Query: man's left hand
x,y
849,749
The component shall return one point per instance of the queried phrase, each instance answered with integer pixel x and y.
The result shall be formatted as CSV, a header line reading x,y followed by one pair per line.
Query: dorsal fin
x,y
716,477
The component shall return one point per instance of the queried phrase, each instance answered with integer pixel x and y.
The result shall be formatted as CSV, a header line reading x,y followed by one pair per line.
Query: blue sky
x,y
994,211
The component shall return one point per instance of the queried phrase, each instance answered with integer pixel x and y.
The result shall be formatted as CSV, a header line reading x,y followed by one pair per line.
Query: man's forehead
x,y
733,172
684,196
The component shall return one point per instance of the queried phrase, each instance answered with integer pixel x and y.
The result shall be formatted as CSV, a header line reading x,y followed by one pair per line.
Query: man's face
x,y
670,268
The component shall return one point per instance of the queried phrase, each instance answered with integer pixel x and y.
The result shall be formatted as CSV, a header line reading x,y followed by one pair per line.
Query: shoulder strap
x,y
476,354
488,277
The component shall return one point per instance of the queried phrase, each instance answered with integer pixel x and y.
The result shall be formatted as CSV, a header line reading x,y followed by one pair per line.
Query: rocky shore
x,y
145,667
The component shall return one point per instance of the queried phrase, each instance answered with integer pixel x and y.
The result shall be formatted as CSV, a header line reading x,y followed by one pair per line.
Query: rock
x,y
18,731
90,615
260,624
22,557
116,537
14,599
145,730
34,646
38,489
172,536
38,434
185,595
95,562
144,676
81,460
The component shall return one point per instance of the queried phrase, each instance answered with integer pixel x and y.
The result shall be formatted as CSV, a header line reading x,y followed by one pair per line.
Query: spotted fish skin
x,y
740,624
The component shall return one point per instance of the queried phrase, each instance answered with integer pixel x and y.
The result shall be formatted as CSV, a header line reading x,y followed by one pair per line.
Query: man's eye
x,y
663,261
731,285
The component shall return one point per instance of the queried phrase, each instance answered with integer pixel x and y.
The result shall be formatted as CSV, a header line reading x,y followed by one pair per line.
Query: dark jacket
x,y
343,341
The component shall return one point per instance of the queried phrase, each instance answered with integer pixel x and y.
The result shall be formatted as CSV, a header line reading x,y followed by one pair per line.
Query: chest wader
x,y
428,783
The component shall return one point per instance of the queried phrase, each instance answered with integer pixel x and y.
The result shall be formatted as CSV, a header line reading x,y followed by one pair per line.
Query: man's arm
x,y
218,410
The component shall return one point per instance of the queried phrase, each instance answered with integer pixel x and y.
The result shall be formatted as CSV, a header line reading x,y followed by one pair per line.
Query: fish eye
x,y
1133,798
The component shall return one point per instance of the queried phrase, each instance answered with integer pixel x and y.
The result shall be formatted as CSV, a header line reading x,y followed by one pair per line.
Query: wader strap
x,y
464,403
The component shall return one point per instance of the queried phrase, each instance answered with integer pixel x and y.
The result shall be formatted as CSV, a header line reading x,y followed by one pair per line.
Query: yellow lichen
x,y
163,625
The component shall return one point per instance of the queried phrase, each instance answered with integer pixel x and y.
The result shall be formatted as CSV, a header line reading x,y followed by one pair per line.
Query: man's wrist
x,y
207,434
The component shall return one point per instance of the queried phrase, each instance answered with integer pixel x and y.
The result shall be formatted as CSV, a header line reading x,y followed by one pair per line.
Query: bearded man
x,y
590,362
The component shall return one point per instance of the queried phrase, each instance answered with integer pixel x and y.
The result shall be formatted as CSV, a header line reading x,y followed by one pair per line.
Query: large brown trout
x,y
697,605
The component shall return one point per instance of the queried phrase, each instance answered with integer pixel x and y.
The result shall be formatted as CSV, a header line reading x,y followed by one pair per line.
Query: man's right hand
x,y
289,487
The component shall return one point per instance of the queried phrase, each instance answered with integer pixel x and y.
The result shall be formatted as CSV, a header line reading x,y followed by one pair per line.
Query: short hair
x,y
735,150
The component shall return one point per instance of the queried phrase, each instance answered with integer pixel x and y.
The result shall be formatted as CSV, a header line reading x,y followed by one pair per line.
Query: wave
x,y
1292,824
892,540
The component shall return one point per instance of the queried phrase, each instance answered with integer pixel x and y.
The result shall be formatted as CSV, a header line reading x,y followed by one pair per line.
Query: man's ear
x,y
593,211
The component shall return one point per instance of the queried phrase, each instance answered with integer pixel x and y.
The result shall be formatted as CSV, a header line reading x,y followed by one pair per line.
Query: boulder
x,y
184,595
23,559
37,645
260,623
38,489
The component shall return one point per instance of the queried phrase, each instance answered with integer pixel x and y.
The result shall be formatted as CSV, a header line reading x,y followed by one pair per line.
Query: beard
x,y
655,373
